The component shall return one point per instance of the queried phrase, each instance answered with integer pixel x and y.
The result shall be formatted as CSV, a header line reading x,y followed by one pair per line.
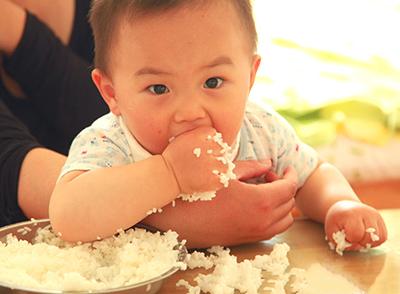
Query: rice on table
x,y
138,255
268,272
50,263
246,276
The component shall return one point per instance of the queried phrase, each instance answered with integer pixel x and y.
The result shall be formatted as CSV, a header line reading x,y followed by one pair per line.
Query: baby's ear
x,y
254,67
106,89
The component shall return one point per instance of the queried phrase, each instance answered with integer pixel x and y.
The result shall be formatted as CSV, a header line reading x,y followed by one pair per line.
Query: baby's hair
x,y
105,16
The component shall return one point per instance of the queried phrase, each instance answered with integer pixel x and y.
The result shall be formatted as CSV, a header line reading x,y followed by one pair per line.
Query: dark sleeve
x,y
15,143
81,40
56,80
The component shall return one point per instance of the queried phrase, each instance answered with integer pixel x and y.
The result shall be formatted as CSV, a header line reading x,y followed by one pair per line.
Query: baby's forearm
x,y
323,188
99,202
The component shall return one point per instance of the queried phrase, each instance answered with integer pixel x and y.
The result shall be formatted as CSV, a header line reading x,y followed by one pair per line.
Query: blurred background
x,y
332,68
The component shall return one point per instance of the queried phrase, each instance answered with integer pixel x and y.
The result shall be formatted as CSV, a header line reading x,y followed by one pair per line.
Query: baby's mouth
x,y
183,131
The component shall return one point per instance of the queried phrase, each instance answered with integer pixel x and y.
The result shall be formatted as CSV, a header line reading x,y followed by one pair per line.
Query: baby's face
x,y
180,70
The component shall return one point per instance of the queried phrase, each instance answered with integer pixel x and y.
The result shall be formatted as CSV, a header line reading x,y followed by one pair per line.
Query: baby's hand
x,y
355,219
195,159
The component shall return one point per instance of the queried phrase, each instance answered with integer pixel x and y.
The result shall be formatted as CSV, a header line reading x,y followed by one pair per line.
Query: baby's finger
x,y
375,236
355,233
382,231
331,228
371,234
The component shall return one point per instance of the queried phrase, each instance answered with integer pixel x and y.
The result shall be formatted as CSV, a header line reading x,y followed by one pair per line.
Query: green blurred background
x,y
331,67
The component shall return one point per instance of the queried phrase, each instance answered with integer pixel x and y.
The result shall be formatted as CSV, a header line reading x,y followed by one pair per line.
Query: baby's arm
x,y
87,204
325,186
98,202
328,198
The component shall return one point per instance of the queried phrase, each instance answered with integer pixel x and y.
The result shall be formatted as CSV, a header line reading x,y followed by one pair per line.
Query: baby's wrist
x,y
171,175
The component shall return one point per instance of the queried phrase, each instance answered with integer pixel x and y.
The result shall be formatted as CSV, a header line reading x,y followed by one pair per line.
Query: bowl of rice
x,y
33,259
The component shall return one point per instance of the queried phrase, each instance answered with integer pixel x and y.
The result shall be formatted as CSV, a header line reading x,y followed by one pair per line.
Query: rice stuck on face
x,y
50,263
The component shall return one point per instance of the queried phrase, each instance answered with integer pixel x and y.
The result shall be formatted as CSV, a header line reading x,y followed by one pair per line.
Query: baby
x,y
174,73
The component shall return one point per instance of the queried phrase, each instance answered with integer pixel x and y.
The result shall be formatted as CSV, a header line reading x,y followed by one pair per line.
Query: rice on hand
x,y
225,158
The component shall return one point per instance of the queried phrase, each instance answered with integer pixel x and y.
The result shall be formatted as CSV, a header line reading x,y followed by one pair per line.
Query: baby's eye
x,y
158,89
213,83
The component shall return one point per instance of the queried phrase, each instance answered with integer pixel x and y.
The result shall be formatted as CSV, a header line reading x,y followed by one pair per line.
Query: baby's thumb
x,y
248,169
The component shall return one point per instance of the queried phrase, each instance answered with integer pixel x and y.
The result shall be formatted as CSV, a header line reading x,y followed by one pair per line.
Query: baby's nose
x,y
189,111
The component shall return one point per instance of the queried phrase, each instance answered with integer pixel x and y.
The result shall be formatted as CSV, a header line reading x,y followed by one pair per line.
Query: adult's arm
x,y
39,172
241,213
26,170
56,14
12,22
56,80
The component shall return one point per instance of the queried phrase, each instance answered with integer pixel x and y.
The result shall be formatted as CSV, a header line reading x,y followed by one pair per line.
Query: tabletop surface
x,y
375,272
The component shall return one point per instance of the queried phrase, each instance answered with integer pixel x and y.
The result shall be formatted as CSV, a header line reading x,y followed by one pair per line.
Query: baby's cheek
x,y
229,135
153,142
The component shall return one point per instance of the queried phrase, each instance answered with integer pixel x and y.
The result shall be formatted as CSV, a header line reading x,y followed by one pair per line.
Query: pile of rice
x,y
124,259
246,276
138,255
268,272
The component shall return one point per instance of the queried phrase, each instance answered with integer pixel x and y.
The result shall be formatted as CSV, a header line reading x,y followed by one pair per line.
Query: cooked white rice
x,y
198,196
371,231
197,152
137,255
341,244
230,276
50,263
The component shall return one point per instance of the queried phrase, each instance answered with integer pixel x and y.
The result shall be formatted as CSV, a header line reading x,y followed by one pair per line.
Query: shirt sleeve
x,y
291,151
95,148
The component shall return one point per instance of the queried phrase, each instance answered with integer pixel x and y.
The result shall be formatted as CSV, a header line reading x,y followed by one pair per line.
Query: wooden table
x,y
375,272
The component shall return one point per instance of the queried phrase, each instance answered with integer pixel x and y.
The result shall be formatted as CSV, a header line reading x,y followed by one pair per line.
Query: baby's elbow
x,y
57,215
62,218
